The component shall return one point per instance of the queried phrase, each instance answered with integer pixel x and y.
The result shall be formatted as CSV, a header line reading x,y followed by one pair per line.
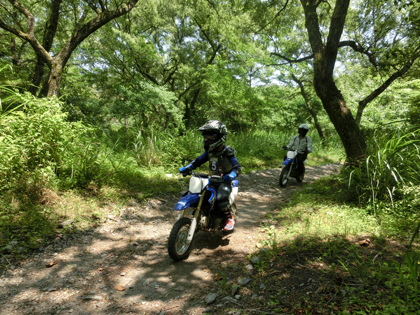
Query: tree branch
x,y
52,24
145,74
103,7
90,27
94,7
187,89
205,34
214,54
359,48
294,60
335,31
30,35
169,77
13,15
363,103
275,16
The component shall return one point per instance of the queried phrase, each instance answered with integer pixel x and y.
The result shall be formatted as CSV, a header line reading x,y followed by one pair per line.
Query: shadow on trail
x,y
101,273
104,273
310,275
121,279
210,240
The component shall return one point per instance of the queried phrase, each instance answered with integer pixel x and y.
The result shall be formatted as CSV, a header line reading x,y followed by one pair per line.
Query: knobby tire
x,y
177,247
284,172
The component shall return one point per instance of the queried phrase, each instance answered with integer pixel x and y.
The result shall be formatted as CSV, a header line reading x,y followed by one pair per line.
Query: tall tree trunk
x,y
54,81
49,34
190,107
310,109
187,114
37,76
44,89
324,62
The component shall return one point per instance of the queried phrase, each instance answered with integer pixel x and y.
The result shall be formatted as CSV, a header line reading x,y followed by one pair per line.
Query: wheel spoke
x,y
181,240
178,246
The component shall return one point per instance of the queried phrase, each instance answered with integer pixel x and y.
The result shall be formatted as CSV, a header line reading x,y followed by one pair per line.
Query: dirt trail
x,y
123,266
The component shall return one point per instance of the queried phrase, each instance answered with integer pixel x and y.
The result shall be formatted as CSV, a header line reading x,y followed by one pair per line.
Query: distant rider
x,y
303,144
222,161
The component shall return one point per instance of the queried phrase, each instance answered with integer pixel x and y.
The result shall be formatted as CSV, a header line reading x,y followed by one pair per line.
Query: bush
x,y
38,144
390,167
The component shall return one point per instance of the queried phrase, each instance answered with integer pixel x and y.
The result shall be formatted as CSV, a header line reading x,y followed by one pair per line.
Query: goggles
x,y
210,137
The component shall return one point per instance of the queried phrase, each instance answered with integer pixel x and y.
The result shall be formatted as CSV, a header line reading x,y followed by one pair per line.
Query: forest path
x,y
123,265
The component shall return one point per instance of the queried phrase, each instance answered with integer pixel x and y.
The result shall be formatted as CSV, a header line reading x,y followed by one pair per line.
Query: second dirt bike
x,y
200,201
290,168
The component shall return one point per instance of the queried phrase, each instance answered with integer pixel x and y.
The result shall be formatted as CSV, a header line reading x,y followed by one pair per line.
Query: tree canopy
x,y
253,64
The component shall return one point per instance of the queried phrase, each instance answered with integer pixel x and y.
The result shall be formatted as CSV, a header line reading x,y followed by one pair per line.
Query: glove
x,y
284,148
185,170
228,178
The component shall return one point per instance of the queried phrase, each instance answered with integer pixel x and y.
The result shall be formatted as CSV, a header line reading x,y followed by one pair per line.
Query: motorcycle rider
x,y
222,161
303,144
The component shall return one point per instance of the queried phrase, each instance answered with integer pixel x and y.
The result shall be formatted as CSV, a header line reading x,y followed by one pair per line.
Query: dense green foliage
x,y
135,90
37,143
390,172
43,151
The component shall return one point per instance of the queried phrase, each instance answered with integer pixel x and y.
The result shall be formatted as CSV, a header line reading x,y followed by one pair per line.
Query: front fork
x,y
290,169
194,218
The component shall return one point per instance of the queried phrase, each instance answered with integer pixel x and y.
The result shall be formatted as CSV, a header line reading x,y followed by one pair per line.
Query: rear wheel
x,y
178,246
301,174
284,176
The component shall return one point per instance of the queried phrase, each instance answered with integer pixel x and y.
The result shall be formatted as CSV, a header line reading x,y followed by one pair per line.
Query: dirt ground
x,y
123,267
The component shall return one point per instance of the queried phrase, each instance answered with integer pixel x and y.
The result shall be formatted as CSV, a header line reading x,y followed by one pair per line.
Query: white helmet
x,y
215,128
303,129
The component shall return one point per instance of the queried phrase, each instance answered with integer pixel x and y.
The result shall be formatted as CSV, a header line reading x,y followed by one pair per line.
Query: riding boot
x,y
230,220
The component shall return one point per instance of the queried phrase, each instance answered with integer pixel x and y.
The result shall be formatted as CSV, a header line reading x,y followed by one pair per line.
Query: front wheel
x,y
178,247
284,176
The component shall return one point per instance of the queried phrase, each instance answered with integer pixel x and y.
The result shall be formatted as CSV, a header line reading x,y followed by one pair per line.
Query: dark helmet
x,y
213,128
303,129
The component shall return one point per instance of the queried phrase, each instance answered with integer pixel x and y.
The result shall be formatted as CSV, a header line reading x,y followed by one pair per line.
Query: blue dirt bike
x,y
290,169
200,201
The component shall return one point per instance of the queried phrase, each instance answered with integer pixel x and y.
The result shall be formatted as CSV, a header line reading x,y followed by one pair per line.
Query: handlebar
x,y
213,178
187,172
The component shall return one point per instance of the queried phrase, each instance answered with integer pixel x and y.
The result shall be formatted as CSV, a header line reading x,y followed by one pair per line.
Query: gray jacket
x,y
301,145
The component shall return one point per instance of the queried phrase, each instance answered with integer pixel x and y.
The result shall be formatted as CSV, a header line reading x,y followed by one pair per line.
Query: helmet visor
x,y
303,131
210,137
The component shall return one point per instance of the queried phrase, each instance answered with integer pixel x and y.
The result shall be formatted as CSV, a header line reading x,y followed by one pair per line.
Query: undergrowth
x,y
53,169
329,256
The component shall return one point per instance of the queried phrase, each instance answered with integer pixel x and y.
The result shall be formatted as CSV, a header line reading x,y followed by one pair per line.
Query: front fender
x,y
287,161
187,201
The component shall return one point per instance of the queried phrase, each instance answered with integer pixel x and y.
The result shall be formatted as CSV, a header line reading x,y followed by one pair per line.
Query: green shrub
x,y
38,144
389,173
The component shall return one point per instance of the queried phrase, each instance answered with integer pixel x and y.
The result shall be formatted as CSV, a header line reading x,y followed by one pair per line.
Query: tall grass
x,y
38,150
254,150
37,144
44,156
387,183
391,164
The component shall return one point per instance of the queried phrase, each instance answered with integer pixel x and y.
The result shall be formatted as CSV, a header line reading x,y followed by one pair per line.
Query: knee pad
x,y
223,192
